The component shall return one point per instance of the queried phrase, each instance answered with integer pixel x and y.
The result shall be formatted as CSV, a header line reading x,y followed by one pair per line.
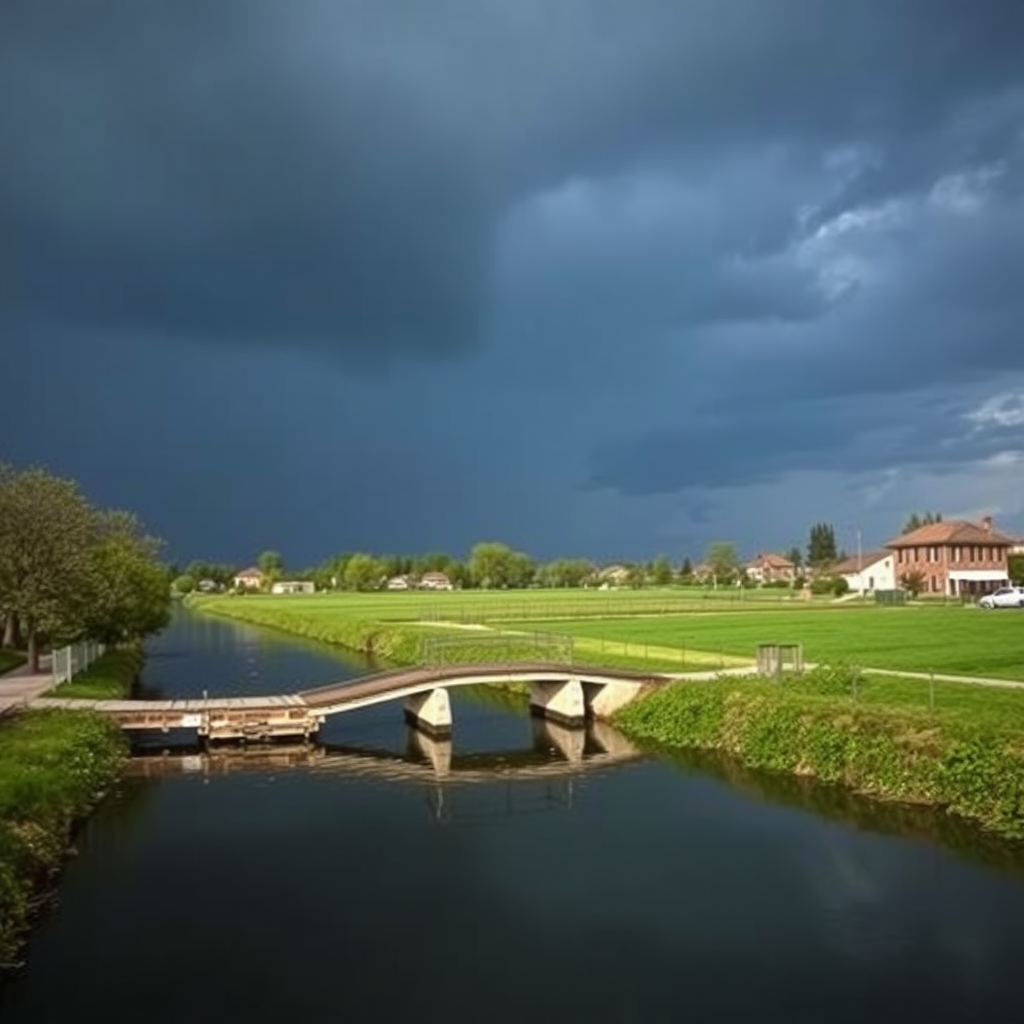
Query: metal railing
x,y
68,662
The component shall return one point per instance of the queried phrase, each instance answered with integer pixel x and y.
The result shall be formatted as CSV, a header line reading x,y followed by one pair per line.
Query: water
x,y
652,891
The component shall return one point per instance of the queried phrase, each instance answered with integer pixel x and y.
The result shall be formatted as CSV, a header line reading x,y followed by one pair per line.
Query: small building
x,y
770,568
613,576
956,557
868,572
398,583
435,581
249,579
293,587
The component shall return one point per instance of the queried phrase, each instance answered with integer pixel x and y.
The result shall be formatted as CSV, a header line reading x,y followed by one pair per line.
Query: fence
x,y
68,661
497,648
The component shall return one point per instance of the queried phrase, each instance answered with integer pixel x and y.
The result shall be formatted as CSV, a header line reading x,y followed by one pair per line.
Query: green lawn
x,y
10,660
958,640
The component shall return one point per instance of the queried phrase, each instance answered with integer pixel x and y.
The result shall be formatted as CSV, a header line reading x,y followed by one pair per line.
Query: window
x,y
956,554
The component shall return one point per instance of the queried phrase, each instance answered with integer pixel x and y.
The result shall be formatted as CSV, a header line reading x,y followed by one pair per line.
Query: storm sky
x,y
592,277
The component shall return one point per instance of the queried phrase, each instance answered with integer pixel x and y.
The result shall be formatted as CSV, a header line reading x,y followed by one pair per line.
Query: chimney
x,y
986,524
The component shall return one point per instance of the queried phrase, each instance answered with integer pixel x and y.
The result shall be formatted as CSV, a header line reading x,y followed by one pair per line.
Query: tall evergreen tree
x,y
821,546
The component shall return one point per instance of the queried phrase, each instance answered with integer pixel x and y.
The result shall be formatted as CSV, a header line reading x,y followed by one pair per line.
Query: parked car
x,y
1004,597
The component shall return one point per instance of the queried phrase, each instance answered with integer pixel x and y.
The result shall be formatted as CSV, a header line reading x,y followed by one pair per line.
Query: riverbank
x,y
112,676
876,737
55,766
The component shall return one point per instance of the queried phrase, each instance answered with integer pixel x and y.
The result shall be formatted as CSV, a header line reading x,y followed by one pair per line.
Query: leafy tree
x,y
1016,568
686,569
184,584
362,572
636,576
661,571
821,546
47,538
271,564
913,582
723,561
496,566
916,520
129,598
566,572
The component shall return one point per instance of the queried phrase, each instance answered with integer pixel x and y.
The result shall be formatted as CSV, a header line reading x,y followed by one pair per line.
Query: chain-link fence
x,y
69,661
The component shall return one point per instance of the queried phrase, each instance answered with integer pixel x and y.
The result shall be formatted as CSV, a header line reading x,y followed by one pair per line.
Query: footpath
x,y
21,686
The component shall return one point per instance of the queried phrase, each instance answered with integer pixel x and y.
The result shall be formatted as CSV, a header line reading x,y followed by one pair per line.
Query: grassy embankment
x,y
11,660
112,676
54,768
958,747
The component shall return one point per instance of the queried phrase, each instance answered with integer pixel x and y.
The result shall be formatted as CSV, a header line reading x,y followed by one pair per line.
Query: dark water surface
x,y
652,891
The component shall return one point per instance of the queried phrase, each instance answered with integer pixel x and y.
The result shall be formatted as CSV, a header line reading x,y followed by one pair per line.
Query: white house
x,y
435,581
293,587
249,579
871,571
398,583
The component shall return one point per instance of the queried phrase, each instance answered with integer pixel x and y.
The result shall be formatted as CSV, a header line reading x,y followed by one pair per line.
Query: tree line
x,y
71,571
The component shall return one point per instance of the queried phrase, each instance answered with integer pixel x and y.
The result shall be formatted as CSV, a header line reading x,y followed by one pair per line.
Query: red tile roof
x,y
955,531
770,562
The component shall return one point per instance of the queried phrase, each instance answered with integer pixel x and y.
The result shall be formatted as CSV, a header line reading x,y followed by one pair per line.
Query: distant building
x,y
868,572
613,576
293,587
435,581
957,558
249,579
769,568
398,583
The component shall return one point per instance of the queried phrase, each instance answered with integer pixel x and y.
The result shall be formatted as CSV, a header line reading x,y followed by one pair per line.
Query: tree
x,y
184,583
916,520
796,557
821,547
271,564
686,569
128,596
47,536
661,571
565,572
362,572
496,566
723,561
913,582
1016,568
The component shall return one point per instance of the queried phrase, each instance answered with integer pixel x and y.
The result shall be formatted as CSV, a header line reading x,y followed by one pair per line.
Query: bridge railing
x,y
496,648
68,662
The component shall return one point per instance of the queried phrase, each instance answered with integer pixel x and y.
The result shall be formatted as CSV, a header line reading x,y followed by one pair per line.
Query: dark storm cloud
x,y
333,174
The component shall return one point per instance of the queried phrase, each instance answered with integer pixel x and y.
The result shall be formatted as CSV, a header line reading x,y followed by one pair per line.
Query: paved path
x,y
21,685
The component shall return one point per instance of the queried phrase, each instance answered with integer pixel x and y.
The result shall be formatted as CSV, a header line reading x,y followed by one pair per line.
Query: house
x,y
293,587
249,579
613,576
868,572
768,568
398,583
1018,546
957,557
435,581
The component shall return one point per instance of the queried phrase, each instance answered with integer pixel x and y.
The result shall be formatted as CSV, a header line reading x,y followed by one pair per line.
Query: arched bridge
x,y
567,694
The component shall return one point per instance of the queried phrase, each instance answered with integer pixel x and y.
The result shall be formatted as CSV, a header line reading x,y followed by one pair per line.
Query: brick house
x,y
955,558
769,568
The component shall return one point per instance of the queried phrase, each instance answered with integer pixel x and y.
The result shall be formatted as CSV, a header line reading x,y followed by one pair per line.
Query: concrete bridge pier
x,y
604,699
563,702
611,741
430,712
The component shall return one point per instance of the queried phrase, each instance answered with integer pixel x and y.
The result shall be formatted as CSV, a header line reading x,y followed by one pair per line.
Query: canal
x,y
651,890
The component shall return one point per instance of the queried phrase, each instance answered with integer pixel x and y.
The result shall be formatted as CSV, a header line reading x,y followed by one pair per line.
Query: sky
x,y
589,277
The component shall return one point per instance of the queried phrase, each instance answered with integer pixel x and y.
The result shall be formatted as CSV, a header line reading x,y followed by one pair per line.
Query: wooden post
x,y
931,692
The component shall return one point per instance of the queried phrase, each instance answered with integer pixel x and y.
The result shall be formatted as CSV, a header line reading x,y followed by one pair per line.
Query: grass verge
x,y
10,660
874,737
54,767
112,676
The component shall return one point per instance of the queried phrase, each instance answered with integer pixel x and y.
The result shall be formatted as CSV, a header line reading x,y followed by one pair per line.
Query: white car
x,y
1004,597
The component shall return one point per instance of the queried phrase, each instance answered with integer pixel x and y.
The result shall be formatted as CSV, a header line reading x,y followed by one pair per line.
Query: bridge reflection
x,y
556,750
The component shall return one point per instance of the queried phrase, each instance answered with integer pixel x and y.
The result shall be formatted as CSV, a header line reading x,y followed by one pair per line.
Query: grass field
x,y
626,627
955,640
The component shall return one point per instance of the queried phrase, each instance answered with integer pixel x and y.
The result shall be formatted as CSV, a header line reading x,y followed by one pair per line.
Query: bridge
x,y
567,694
